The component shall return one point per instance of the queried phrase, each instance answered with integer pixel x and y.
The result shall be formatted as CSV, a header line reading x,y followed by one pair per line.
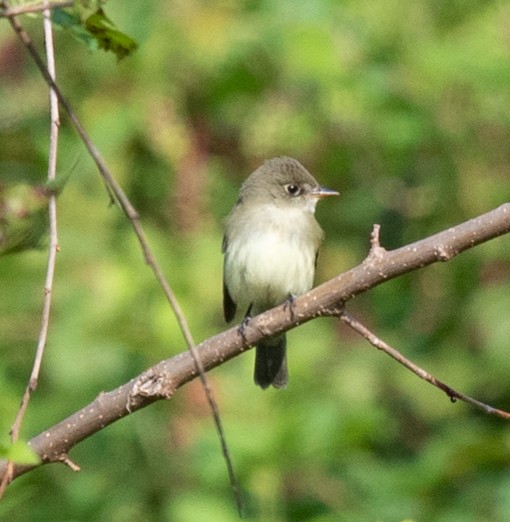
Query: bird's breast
x,y
271,257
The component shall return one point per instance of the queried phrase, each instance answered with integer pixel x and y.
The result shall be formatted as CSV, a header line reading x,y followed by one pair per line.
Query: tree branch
x,y
162,380
452,394
7,12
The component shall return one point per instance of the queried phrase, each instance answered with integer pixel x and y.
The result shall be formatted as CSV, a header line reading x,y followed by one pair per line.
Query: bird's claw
x,y
289,303
241,329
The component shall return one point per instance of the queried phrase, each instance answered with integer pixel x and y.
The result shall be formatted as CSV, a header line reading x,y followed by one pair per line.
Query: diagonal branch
x,y
162,380
420,372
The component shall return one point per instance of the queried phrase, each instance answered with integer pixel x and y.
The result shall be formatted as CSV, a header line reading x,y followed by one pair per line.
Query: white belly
x,y
265,264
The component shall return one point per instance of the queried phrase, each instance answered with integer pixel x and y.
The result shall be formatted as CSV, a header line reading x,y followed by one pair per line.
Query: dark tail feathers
x,y
271,363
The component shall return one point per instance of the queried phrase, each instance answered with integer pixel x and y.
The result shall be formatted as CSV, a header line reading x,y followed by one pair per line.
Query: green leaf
x,y
20,453
108,37
72,22
97,31
24,213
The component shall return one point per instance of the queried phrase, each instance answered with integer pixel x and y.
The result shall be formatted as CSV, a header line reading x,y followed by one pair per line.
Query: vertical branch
x,y
53,246
52,207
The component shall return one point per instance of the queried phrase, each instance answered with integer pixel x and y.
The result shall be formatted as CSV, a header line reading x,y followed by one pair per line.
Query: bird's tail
x,y
271,363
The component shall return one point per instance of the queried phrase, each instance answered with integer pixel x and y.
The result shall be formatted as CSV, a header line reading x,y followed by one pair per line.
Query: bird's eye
x,y
292,190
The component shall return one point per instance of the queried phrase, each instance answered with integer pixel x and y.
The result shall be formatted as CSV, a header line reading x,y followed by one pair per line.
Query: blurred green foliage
x,y
402,106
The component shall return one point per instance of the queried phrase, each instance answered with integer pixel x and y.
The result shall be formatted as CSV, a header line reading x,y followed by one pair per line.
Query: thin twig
x,y
134,219
422,374
53,246
8,12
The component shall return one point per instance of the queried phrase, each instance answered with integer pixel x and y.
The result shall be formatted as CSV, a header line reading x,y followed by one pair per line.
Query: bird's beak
x,y
323,192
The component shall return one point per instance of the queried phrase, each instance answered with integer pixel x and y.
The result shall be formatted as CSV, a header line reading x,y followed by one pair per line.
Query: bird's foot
x,y
289,303
241,329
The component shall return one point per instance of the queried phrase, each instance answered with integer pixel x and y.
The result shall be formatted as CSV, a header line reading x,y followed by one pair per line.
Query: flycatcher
x,y
270,245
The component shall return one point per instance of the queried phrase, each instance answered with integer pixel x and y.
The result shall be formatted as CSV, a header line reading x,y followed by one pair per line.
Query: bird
x,y
270,248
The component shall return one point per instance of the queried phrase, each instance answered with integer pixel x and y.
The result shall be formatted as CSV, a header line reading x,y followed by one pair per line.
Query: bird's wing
x,y
224,244
229,306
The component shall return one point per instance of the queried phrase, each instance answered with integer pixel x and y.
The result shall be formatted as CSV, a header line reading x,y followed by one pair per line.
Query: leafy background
x,y
402,106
